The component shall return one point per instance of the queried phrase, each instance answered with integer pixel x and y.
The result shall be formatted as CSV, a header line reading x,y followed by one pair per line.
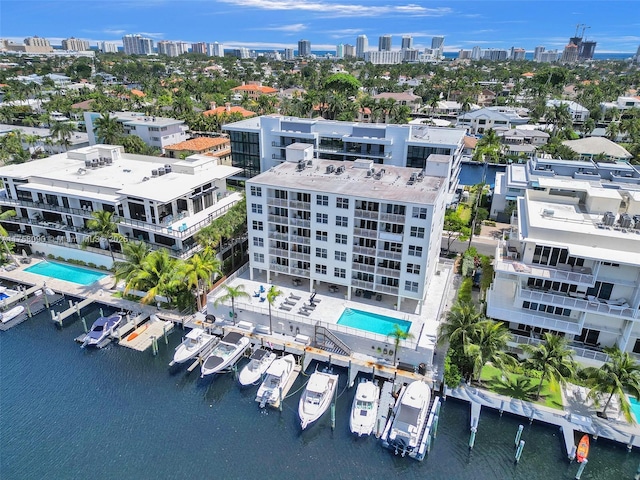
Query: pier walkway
x,y
578,415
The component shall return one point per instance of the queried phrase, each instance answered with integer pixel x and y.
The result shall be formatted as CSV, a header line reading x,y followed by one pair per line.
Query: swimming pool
x,y
371,322
68,273
635,407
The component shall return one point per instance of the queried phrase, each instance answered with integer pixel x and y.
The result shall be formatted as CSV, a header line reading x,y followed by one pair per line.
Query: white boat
x,y
317,397
277,376
193,343
258,364
408,421
101,329
364,410
225,354
11,314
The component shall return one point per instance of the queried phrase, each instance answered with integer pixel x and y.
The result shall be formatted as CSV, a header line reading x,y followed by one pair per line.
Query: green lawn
x,y
521,387
464,212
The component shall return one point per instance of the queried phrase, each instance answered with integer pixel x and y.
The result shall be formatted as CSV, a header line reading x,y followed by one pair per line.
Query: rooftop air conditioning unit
x,y
154,172
625,220
108,160
636,220
87,163
167,168
370,172
548,212
340,170
330,168
609,218
161,171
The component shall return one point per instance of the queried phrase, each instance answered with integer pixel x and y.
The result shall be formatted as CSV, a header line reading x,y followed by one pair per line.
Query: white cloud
x,y
296,27
151,34
342,10
272,45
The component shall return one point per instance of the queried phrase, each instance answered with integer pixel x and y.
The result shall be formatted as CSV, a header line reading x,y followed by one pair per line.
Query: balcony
x,y
387,289
363,267
279,252
590,306
299,222
392,217
546,273
578,351
279,236
46,207
357,213
364,250
365,232
539,319
300,272
301,240
300,205
388,272
362,284
279,219
277,202
274,267
388,254
300,256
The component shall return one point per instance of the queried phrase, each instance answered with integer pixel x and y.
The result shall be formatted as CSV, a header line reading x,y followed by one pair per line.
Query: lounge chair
x,y
294,297
309,307
304,312
286,308
289,302
262,299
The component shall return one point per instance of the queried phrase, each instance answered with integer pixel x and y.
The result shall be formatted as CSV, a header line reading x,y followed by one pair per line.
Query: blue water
x,y
472,173
69,273
72,413
371,322
635,408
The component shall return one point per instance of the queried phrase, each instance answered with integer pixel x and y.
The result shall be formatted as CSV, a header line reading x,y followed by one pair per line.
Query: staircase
x,y
326,340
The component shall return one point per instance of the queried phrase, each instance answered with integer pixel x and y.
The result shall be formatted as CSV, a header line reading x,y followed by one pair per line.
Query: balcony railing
x,y
357,213
365,232
392,217
578,351
280,252
388,272
540,319
299,222
301,240
46,206
300,205
589,306
364,250
386,289
277,202
279,219
389,254
279,268
278,236
546,273
362,267
362,284
300,256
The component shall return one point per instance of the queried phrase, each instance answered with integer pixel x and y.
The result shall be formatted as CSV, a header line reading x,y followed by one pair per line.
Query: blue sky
x,y
276,24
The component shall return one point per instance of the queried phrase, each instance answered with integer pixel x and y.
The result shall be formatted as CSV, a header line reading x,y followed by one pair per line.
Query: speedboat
x,y
276,378
409,418
101,329
225,354
258,364
11,314
193,343
317,397
364,410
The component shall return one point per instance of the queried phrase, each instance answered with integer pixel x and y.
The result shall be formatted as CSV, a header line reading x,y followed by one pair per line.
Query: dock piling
x,y
518,435
164,332
333,416
46,298
434,427
101,312
637,477
154,345
581,468
472,437
280,398
84,325
28,310
631,440
519,450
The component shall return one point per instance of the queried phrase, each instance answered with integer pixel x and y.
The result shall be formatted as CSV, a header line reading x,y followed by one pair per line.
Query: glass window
x,y
410,286
339,272
341,256
258,257
256,208
417,232
256,191
342,221
341,239
258,225
342,202
321,252
322,200
415,251
413,268
321,236
419,212
322,218
321,269
258,242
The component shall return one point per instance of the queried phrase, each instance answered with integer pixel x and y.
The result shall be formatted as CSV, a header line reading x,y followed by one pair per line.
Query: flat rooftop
x,y
394,185
130,175
135,118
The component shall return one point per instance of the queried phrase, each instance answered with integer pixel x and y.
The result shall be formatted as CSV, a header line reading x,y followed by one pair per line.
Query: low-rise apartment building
x,y
258,144
571,266
374,229
163,202
157,132
219,147
478,122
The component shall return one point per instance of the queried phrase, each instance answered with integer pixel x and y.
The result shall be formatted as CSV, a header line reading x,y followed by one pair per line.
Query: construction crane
x,y
578,28
584,28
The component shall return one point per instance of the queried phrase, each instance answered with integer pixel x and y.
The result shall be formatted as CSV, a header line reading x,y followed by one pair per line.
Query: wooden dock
x,y
73,308
143,336
32,306
385,407
285,391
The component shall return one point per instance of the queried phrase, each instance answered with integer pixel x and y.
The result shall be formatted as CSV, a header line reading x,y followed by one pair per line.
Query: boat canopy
x,y
194,334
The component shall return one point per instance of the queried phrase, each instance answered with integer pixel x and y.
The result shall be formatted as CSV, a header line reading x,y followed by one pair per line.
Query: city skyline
x,y
279,24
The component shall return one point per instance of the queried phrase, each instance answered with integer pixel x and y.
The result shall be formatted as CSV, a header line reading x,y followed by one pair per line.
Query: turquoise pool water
x,y
371,322
68,273
635,408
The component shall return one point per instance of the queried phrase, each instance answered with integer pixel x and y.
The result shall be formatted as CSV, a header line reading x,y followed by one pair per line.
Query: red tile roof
x,y
222,110
254,88
198,144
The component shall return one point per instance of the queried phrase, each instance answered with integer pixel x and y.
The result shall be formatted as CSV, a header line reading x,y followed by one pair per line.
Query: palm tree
x,y
398,334
4,233
63,131
105,227
620,374
231,294
107,129
488,343
157,276
134,254
272,294
553,358
198,272
461,322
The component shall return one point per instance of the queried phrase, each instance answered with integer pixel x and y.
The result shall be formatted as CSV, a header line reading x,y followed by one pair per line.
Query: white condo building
x,y
362,46
375,230
154,131
108,47
161,201
259,143
571,264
